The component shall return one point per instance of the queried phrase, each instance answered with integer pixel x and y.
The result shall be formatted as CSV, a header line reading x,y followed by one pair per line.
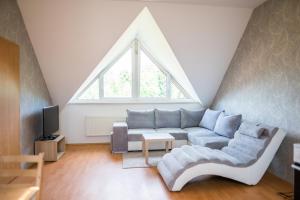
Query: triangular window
x,y
134,74
139,67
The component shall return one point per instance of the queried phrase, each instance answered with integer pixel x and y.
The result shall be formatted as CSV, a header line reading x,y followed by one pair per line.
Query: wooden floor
x,y
88,172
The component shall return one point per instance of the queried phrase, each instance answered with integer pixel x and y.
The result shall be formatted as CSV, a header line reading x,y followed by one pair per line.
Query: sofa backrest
x,y
167,118
156,118
191,118
140,119
153,119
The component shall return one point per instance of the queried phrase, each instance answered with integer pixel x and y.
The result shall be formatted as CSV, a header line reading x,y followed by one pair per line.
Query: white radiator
x,y
100,126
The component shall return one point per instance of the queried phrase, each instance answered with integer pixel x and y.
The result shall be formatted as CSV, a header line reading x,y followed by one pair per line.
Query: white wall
x,y
72,117
70,38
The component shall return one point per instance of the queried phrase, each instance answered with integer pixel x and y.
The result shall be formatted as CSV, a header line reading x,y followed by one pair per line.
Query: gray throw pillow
x,y
191,118
140,119
167,119
227,125
251,129
209,119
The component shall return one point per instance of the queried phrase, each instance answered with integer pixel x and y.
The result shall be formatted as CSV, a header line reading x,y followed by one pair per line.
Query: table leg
x,y
146,149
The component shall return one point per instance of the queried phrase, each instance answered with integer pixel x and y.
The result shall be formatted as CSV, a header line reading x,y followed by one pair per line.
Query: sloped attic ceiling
x,y
70,38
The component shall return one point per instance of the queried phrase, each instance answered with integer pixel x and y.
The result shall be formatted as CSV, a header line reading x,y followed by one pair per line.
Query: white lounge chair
x,y
245,159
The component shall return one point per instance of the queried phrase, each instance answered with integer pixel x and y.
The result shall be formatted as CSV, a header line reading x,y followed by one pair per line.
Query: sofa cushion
x,y
251,129
167,119
213,142
140,119
227,125
191,118
247,148
177,133
137,134
209,119
269,130
198,132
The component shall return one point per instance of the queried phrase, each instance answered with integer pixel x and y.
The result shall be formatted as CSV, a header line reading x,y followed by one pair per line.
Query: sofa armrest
x,y
119,137
120,124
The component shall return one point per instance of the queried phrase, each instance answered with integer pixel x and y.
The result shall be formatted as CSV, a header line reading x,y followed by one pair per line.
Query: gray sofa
x,y
207,128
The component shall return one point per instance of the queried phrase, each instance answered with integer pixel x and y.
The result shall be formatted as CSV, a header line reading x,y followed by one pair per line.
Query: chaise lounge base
x,y
184,164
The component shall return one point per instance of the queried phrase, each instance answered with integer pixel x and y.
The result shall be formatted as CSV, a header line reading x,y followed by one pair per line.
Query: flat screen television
x,y
50,121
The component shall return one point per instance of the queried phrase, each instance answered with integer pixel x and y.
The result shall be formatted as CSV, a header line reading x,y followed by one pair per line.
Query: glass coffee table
x,y
157,137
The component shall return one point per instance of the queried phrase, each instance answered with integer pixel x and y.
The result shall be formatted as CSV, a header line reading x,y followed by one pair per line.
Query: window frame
x,y
135,47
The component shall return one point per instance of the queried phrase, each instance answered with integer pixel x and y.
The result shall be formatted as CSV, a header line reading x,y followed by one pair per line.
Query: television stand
x,y
53,149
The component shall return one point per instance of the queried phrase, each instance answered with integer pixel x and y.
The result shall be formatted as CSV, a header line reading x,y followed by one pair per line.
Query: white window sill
x,y
133,101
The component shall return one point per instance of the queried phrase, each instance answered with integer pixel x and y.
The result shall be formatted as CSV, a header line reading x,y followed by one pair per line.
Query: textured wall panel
x,y
263,80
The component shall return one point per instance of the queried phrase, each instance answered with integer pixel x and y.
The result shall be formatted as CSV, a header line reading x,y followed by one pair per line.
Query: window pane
x,y
118,79
176,93
152,81
92,92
